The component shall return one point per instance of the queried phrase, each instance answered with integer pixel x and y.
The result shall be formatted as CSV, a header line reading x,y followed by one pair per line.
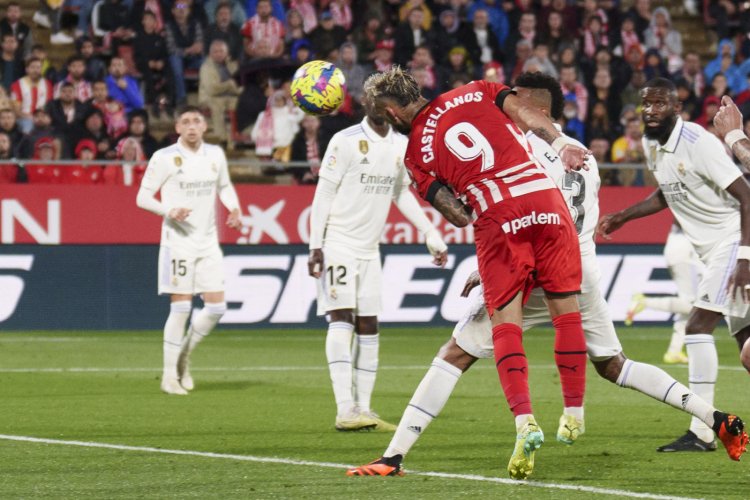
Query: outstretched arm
x,y
612,222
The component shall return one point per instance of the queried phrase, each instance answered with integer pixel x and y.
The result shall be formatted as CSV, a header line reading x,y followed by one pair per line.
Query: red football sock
x,y
512,367
570,357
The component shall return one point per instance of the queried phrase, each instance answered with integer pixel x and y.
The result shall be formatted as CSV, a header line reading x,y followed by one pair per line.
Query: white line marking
x,y
94,369
289,461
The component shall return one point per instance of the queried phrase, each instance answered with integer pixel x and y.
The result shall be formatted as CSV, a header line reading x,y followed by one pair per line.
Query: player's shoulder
x,y
172,149
692,133
351,132
214,150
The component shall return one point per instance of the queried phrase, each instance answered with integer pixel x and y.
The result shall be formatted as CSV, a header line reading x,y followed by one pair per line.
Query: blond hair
x,y
395,84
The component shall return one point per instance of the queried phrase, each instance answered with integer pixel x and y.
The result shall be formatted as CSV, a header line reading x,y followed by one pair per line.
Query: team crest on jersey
x,y
177,161
174,281
331,162
363,147
333,294
681,168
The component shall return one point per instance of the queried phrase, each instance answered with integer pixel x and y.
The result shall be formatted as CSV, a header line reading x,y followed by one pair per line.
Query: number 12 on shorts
x,y
336,275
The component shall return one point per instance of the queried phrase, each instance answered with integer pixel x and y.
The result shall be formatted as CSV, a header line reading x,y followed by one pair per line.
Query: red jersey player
x,y
467,142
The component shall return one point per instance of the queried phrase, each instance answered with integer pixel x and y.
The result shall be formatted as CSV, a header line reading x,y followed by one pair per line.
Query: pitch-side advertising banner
x,y
55,215
114,286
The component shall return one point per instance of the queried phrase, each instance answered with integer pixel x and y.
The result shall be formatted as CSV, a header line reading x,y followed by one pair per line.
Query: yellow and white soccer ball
x,y
318,88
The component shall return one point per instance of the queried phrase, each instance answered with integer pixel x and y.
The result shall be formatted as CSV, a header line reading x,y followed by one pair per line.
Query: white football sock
x,y
677,305
365,368
426,404
338,353
678,335
203,323
174,330
703,369
658,384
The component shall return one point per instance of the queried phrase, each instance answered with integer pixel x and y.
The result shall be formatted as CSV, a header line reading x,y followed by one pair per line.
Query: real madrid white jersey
x,y
369,171
189,179
693,171
580,189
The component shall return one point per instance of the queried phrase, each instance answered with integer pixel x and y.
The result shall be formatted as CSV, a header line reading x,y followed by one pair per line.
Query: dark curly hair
x,y
538,80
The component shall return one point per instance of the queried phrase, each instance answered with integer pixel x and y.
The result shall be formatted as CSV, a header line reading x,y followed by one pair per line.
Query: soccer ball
x,y
318,88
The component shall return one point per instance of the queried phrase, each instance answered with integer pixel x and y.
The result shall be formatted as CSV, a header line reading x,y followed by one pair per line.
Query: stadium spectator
x,y
354,72
602,91
158,8
114,18
46,150
574,90
341,13
76,76
663,37
720,14
383,55
589,10
692,73
301,52
640,13
218,91
5,101
13,24
481,41
599,147
625,38
409,35
690,104
554,34
366,38
42,129
566,12
84,173
133,166
405,10
95,67
540,61
719,86
628,149
237,14
523,52
709,109
83,10
433,79
654,66
185,45
498,20
573,126
599,124
48,70
152,62
122,87
66,112
327,37
493,72
224,28
294,30
306,147
276,127
11,65
277,8
94,128
49,16
9,126
263,27
115,117
526,30
594,37
459,63
30,93
8,169
724,58
138,130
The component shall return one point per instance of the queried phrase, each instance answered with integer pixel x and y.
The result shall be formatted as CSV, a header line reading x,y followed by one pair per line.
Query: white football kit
x,y
693,171
369,173
473,333
190,259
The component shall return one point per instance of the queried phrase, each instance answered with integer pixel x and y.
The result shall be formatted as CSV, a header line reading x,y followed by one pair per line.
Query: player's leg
x,y
425,405
209,282
742,337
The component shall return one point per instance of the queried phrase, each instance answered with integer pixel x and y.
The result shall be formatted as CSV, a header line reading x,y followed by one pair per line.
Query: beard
x,y
402,128
662,130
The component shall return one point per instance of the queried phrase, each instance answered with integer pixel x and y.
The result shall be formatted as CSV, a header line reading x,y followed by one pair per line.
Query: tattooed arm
x,y
442,198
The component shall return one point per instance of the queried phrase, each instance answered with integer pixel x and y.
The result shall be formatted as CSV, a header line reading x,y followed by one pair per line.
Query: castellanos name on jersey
x,y
369,171
189,180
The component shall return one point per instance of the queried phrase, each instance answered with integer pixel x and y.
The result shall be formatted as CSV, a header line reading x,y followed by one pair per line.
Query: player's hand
x,y
574,158
315,263
728,117
437,247
472,282
609,224
739,283
179,214
233,220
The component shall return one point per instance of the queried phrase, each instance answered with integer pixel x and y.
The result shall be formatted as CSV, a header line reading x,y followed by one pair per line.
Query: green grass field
x,y
262,395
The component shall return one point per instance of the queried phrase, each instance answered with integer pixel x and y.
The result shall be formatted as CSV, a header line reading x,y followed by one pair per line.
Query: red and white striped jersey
x,y
32,96
463,140
272,31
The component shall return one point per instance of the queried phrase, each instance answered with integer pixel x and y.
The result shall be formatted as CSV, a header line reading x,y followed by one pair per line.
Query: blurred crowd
x,y
131,61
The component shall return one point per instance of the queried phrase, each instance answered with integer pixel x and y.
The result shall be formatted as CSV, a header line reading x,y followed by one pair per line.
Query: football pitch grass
x,y
82,417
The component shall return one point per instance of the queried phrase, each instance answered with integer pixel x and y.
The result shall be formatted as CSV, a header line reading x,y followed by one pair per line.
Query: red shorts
x,y
527,242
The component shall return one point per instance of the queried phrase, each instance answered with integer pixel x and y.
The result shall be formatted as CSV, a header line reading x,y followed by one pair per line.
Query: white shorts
x,y
713,294
181,272
349,283
473,333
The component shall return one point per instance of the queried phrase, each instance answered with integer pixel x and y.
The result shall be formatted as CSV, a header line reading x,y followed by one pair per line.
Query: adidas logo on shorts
x,y
532,219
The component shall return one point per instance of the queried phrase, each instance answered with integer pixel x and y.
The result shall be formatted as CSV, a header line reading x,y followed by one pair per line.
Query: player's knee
x,y
745,356
610,368
216,308
453,354
181,306
367,325
702,321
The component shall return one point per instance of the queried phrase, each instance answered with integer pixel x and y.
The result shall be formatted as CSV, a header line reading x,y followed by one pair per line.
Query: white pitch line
x,y
289,461
94,369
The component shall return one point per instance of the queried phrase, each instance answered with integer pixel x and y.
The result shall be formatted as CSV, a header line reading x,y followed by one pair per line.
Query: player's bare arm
x,y
612,222
315,262
472,282
451,207
530,118
233,219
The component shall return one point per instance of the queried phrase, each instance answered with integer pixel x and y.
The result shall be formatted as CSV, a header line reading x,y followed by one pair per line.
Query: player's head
x,y
191,125
542,91
393,93
660,108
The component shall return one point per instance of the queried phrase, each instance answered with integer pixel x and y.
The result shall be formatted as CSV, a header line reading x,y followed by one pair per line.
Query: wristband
x,y
732,137
559,143
743,253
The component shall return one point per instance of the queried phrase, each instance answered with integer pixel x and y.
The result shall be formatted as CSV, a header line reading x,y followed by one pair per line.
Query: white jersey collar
x,y
374,136
674,137
186,152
